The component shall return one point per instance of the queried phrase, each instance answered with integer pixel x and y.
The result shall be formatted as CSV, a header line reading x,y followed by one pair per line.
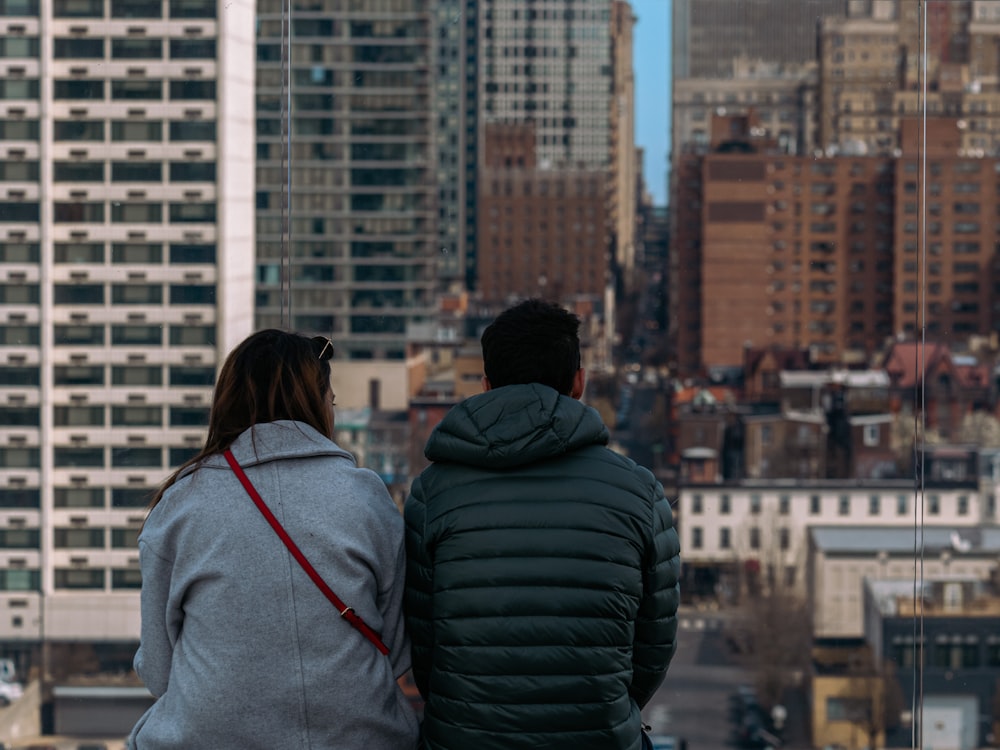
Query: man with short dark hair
x,y
541,592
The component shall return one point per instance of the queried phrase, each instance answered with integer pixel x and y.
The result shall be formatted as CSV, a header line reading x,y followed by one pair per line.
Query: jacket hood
x,y
513,426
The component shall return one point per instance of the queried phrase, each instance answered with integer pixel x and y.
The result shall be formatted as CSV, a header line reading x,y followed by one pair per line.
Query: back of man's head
x,y
533,342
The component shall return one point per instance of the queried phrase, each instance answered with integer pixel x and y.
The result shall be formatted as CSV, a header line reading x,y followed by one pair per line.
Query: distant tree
x,y
775,630
907,432
979,428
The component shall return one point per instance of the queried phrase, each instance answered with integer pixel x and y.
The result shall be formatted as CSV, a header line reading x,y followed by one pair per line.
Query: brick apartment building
x,y
823,252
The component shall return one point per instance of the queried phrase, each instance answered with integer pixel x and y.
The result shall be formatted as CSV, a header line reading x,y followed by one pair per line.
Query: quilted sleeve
x,y
656,624
418,600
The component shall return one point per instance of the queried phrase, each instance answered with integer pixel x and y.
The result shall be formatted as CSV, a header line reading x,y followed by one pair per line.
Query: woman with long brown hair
x,y
275,626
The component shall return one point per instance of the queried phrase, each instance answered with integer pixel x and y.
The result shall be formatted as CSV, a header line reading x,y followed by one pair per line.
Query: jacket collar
x,y
273,441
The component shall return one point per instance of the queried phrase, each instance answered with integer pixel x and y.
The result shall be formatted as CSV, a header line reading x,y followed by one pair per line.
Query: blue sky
x,y
652,91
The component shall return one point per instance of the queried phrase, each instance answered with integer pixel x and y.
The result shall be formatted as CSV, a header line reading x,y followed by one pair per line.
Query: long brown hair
x,y
271,375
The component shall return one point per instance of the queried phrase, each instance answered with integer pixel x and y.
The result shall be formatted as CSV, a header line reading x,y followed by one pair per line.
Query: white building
x,y
766,522
126,271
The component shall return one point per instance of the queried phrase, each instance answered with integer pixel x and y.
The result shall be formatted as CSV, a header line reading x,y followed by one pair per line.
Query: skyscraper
x,y
126,245
346,217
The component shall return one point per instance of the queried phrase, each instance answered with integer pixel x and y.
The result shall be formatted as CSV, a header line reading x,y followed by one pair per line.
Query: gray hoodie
x,y
239,647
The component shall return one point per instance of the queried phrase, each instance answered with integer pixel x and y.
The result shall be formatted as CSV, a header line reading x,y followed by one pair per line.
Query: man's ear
x,y
486,384
579,382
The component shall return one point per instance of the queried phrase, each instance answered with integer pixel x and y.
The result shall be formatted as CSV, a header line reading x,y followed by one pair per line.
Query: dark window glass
x,y
136,130
19,88
125,457
79,497
79,294
192,253
19,416
21,579
78,8
136,294
136,213
179,456
189,416
77,49
192,49
19,212
78,130
79,252
136,416
136,171
78,416
18,7
14,375
20,458
20,497
136,9
192,130
18,171
131,497
18,130
192,376
19,46
78,375
126,578
192,335
76,538
79,578
18,335
136,252
19,538
81,457
140,48
79,335
19,294
138,335
196,90
191,9
136,375
137,89
73,88
192,294
78,171
78,212
186,213
19,252
186,171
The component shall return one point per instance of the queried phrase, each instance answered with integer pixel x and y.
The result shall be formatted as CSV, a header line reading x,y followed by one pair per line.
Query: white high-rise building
x,y
126,272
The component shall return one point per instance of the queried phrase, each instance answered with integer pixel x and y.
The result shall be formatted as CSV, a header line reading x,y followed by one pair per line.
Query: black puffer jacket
x,y
542,579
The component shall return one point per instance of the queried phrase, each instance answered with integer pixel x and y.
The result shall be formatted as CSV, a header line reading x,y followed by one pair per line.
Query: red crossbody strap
x,y
346,612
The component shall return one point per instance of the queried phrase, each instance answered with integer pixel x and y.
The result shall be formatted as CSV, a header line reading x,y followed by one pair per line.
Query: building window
x,y
74,538
78,416
724,541
79,497
846,709
755,504
20,580
933,505
136,416
127,538
874,505
78,252
696,537
963,505
136,457
131,497
79,578
77,8
902,505
126,578
78,375
871,435
784,538
79,457
150,90
696,506
189,416
784,505
844,505
754,537
814,505
136,130
19,539
136,335
138,375
724,506
136,252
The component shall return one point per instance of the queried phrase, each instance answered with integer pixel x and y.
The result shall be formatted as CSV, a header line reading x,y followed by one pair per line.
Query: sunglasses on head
x,y
323,348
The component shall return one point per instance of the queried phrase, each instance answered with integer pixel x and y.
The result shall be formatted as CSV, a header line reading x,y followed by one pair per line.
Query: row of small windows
x,y
21,335
24,579
70,538
117,9
132,294
129,48
844,504
726,539
86,457
121,252
121,171
124,89
121,130
95,416
93,212
95,375
76,497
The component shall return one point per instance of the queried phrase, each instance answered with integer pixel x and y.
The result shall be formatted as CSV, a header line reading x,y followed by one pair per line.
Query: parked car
x,y
10,692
